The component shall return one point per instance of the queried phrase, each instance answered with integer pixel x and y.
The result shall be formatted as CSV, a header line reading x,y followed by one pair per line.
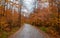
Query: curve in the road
x,y
28,31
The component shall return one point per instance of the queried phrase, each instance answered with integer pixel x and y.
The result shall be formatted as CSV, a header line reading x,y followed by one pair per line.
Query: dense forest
x,y
46,19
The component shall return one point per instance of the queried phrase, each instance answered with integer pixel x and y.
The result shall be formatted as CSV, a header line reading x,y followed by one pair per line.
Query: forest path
x,y
29,31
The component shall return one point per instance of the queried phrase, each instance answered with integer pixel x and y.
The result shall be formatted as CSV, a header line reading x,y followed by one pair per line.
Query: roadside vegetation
x,y
48,20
